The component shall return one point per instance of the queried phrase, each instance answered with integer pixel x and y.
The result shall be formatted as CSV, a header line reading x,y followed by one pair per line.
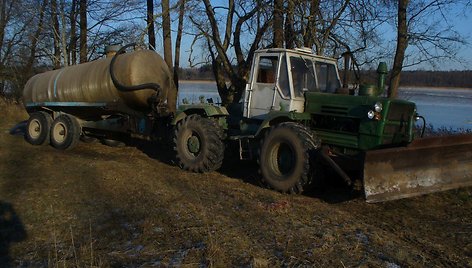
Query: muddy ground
x,y
129,207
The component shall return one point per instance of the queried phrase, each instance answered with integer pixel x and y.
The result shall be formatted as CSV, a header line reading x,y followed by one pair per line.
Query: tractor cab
x,y
280,77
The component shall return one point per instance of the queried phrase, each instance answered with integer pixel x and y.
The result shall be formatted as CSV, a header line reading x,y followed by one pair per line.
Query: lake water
x,y
448,108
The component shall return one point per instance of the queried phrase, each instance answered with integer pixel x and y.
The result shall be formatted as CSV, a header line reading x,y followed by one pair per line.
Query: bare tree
x,y
35,39
73,33
56,35
278,23
150,23
289,31
5,11
64,49
402,44
83,30
424,35
252,18
166,32
178,41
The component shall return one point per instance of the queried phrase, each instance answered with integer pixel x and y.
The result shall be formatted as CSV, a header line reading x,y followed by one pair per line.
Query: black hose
x,y
424,124
122,87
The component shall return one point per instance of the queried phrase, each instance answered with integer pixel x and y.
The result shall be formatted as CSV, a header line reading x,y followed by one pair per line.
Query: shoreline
x,y
436,89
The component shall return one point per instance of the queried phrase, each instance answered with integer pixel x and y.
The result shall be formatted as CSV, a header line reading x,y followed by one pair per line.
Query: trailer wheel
x,y
65,132
37,128
284,157
198,144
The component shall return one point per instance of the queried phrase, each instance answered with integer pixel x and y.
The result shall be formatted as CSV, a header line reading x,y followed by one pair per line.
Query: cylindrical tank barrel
x,y
91,82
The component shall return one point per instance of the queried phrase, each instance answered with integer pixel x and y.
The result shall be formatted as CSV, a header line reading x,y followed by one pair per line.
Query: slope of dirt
x,y
129,207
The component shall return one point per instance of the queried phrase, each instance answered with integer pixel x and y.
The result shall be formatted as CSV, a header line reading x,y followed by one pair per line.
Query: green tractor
x,y
296,119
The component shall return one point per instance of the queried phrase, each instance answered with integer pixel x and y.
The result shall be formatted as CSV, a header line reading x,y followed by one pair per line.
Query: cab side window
x,y
266,74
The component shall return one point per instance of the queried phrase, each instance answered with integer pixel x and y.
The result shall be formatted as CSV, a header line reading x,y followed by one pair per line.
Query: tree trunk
x,y
56,34
278,23
166,31
73,34
83,30
167,38
402,44
177,43
63,33
221,63
3,22
289,30
309,36
34,40
150,23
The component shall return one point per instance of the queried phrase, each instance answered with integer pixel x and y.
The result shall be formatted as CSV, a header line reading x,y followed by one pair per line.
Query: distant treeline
x,y
437,78
461,79
202,73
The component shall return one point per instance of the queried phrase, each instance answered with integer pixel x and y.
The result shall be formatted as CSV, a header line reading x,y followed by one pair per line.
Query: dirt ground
x,y
129,207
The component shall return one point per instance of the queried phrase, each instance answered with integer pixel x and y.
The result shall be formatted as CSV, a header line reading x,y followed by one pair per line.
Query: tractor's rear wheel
x,y
65,132
284,157
198,144
37,128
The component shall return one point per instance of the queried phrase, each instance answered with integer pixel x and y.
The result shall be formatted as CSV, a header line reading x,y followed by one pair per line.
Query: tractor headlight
x,y
378,107
371,114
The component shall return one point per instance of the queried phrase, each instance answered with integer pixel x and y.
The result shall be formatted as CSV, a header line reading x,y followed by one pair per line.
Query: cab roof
x,y
300,51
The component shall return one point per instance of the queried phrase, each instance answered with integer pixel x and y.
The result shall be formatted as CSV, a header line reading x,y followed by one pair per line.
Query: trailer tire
x,y
198,144
65,132
285,155
37,128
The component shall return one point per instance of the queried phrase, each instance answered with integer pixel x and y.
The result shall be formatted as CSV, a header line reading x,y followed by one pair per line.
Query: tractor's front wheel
x,y
198,144
284,157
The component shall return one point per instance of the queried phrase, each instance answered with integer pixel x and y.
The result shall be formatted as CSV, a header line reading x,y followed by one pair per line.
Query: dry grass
x,y
97,206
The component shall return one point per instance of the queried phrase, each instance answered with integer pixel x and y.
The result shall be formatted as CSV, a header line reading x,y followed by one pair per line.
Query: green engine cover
x,y
342,120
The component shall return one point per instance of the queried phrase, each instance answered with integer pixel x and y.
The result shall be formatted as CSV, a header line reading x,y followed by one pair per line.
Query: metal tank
x,y
91,83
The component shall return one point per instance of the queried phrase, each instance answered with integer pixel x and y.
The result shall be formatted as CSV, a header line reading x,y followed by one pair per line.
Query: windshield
x,y
328,80
304,71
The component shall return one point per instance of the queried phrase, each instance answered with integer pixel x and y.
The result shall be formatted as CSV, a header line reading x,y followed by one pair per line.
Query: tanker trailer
x,y
125,94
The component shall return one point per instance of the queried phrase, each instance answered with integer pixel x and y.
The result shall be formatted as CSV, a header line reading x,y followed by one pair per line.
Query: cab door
x,y
263,86
267,90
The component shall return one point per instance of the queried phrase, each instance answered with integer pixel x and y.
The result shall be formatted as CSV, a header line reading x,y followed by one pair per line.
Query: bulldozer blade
x,y
426,165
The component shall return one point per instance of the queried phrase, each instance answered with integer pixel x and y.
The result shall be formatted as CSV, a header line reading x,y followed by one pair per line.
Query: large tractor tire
x,y
37,128
285,157
198,144
65,132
